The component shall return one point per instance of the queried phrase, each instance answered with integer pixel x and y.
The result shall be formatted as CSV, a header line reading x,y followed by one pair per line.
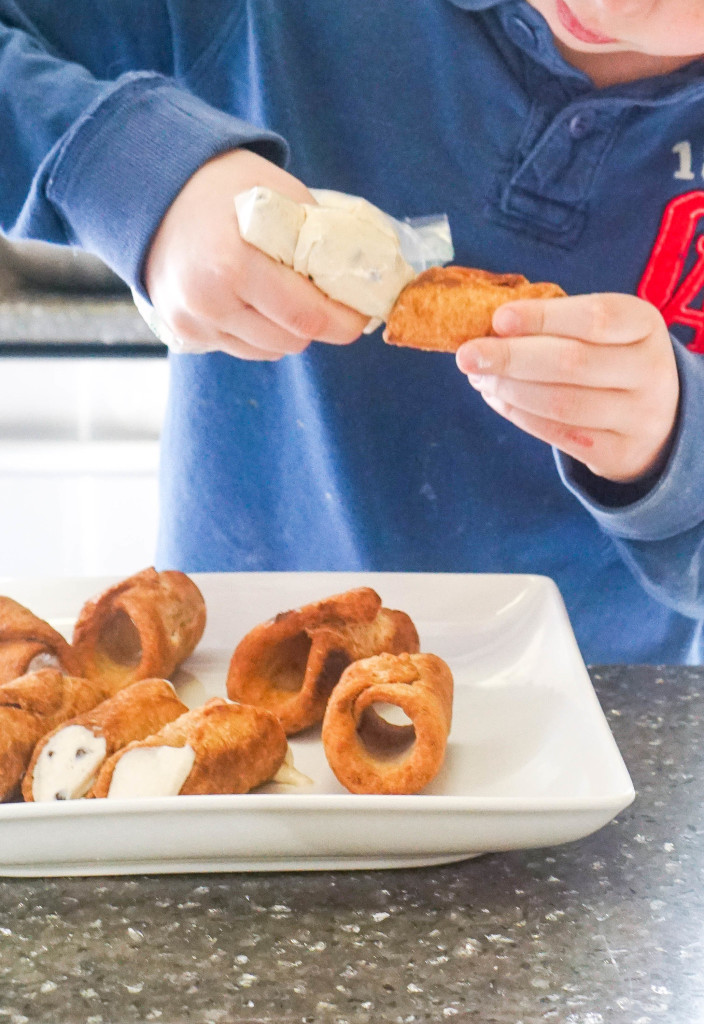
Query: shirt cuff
x,y
675,501
126,159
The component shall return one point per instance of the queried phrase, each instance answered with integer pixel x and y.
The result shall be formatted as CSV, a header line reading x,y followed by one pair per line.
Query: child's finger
x,y
580,443
552,360
603,319
613,454
242,349
294,303
251,327
199,335
589,408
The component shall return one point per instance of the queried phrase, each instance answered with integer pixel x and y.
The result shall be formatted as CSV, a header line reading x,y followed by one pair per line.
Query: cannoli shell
x,y
237,747
291,663
24,637
31,706
19,731
141,628
367,753
132,713
443,307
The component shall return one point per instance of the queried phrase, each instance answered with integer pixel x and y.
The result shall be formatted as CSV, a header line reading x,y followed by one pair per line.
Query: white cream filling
x,y
345,245
151,771
289,775
352,259
45,659
391,713
68,763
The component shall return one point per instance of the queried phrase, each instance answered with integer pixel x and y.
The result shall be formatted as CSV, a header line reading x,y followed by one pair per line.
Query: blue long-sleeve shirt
x,y
368,457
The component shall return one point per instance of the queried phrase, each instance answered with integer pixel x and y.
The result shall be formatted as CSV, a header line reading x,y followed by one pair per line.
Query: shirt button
x,y
581,124
524,30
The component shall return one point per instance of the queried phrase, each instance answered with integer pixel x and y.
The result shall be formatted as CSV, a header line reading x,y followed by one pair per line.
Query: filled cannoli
x,y
217,748
30,707
28,643
370,754
65,761
291,663
142,628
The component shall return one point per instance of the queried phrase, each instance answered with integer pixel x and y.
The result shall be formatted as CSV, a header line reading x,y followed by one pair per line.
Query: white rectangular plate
x,y
530,761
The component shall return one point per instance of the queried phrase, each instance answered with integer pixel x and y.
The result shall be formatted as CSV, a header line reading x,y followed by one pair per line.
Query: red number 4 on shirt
x,y
666,283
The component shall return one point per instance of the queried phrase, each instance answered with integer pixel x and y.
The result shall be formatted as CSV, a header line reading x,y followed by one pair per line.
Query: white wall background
x,y
78,464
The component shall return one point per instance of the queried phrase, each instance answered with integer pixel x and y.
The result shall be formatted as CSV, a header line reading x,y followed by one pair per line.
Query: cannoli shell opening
x,y
291,664
28,643
370,755
143,627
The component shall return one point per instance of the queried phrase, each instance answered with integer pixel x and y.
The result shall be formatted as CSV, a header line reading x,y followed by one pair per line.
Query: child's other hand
x,y
214,291
593,375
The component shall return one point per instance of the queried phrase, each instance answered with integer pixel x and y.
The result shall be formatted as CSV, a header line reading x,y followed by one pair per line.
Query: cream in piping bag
x,y
345,245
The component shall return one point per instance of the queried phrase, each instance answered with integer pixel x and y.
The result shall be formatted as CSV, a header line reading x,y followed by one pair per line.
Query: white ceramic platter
x,y
530,761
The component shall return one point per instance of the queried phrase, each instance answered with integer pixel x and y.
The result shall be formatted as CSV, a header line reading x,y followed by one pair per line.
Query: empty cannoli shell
x,y
445,306
371,755
28,643
31,706
217,748
291,663
65,761
142,628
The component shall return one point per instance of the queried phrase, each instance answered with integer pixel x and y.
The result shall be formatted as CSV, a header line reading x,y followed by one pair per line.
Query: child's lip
x,y
576,28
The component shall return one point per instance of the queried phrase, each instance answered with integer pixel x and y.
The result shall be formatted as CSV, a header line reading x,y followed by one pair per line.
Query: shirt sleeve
x,y
660,534
94,155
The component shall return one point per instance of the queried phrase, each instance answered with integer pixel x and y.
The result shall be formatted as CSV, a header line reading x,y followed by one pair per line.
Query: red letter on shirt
x,y
662,282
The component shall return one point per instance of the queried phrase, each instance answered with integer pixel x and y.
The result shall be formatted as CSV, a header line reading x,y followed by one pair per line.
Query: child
x,y
563,140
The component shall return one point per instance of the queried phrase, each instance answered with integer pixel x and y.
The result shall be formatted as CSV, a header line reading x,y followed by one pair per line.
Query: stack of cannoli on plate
x,y
117,727
98,717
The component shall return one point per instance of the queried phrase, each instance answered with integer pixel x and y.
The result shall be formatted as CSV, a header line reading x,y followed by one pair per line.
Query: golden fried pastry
x,y
31,706
217,748
446,306
291,663
66,761
142,628
28,643
370,754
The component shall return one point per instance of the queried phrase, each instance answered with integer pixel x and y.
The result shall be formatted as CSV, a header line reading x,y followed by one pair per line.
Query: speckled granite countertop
x,y
607,930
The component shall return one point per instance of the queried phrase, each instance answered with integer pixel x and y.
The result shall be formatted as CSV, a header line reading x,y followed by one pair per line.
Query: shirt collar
x,y
683,85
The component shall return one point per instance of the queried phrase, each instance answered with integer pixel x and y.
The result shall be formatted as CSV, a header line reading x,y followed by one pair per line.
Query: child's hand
x,y
593,375
214,291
